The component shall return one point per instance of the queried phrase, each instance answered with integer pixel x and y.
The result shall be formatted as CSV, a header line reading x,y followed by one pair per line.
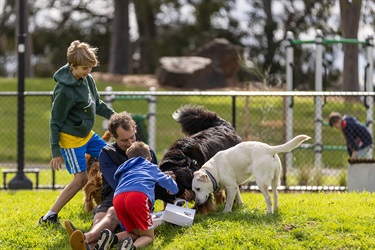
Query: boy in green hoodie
x,y
76,101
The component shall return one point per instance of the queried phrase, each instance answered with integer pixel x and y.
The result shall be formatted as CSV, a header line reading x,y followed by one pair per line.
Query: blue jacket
x,y
110,158
139,175
356,134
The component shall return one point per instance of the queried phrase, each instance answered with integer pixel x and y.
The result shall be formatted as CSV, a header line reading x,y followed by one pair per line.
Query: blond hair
x,y
82,54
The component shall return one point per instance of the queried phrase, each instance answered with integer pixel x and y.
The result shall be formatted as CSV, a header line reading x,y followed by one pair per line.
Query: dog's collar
x,y
214,183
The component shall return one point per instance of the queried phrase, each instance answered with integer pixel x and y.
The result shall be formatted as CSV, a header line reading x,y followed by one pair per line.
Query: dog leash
x,y
214,183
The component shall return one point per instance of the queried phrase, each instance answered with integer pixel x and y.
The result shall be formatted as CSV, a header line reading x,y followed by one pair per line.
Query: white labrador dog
x,y
231,167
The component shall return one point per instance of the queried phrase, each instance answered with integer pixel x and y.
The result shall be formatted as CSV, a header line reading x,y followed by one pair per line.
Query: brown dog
x,y
93,188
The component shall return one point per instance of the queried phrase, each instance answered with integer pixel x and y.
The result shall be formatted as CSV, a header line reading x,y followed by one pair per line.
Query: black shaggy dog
x,y
206,134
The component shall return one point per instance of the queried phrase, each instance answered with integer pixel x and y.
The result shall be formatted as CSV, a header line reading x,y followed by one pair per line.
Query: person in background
x,y
358,138
134,199
76,102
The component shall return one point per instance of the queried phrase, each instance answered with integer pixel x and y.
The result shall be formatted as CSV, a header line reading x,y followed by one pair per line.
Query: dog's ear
x,y
201,176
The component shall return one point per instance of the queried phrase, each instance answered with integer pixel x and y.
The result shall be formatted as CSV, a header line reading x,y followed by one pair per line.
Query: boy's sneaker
x,y
105,240
127,244
53,219
77,241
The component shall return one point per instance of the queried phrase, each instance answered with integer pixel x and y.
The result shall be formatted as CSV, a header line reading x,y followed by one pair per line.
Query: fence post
x,y
109,100
318,148
289,99
152,119
370,87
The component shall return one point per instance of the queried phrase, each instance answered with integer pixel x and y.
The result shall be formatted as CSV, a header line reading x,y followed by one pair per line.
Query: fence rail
x,y
257,115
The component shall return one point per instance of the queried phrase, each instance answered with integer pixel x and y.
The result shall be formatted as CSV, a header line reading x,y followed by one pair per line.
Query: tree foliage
x,y
178,28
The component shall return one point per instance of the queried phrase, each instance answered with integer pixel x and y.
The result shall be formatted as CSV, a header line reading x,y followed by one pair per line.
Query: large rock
x,y
189,72
214,65
224,55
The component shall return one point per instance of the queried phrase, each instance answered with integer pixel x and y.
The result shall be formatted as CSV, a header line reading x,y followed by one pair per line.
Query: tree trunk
x,y
144,11
350,12
119,51
269,31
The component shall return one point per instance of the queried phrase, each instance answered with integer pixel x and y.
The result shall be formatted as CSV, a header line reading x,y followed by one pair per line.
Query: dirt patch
x,y
273,124
127,80
151,81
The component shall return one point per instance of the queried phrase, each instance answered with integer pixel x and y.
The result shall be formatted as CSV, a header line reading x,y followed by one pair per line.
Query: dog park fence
x,y
320,163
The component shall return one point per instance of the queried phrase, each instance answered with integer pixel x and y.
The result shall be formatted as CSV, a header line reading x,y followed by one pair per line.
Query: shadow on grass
x,y
242,214
167,233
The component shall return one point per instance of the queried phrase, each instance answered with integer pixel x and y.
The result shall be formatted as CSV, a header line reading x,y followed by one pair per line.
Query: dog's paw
x,y
227,211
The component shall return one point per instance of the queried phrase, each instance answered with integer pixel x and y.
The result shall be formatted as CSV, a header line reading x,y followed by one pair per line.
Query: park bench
x,y
26,170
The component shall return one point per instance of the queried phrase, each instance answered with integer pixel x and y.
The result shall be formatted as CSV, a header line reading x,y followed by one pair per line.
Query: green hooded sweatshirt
x,y
75,103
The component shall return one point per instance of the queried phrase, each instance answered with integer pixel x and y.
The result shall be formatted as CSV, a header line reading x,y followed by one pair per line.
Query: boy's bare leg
x,y
70,191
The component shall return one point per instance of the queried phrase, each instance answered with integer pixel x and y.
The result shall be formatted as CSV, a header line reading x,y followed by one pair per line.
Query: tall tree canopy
x,y
179,27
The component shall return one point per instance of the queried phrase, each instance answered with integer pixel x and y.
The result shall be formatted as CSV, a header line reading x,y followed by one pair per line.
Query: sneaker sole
x,y
127,244
69,227
104,238
77,240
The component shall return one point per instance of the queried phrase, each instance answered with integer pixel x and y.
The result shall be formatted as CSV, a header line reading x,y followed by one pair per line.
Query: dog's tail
x,y
194,119
107,136
290,145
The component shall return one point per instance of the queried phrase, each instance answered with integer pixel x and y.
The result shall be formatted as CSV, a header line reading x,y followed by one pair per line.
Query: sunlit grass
x,y
304,221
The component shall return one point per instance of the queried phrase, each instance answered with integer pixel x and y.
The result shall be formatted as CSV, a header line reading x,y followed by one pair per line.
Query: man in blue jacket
x,y
358,138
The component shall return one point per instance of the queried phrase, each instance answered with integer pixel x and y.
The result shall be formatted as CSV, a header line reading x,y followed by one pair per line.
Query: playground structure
x,y
319,42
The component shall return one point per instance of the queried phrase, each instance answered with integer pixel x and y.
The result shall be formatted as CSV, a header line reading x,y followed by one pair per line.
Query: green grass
x,y
304,221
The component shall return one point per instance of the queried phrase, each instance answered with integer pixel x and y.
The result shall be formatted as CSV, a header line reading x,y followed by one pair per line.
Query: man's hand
x,y
354,155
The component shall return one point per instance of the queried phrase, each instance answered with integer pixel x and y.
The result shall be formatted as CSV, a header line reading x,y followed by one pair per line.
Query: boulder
x,y
224,55
189,72
214,65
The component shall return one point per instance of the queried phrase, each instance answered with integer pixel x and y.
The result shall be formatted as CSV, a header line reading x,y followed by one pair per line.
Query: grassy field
x,y
304,221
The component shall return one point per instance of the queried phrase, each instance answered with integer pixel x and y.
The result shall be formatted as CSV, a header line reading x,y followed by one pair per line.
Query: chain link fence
x,y
260,116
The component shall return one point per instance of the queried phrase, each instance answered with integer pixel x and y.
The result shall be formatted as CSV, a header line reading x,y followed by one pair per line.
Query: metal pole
x,y
318,100
289,99
20,181
109,100
369,86
234,111
152,119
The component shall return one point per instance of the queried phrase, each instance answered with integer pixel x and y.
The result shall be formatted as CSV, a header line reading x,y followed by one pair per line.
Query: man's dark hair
x,y
123,120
